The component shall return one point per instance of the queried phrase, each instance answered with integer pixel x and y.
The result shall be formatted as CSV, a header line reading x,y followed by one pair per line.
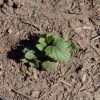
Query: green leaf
x,y
31,64
48,66
58,51
42,40
24,60
57,54
36,62
40,46
25,50
49,38
30,55
70,46
51,35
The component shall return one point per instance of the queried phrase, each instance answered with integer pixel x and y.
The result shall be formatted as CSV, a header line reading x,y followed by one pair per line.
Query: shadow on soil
x,y
16,53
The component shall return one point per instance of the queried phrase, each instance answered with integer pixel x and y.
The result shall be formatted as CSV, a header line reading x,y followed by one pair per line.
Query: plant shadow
x,y
16,53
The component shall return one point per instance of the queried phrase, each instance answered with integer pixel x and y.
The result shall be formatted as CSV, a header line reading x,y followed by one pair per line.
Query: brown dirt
x,y
79,20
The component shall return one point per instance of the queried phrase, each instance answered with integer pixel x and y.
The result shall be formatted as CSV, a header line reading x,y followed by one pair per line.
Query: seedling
x,y
49,50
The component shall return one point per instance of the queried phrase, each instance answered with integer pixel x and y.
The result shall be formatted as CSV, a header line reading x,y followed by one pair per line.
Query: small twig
x,y
25,22
13,90
42,95
91,45
95,38
62,81
95,50
93,22
52,87
85,27
31,24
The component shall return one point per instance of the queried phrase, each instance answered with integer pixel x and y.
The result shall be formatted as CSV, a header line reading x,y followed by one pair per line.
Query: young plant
x,y
29,57
50,49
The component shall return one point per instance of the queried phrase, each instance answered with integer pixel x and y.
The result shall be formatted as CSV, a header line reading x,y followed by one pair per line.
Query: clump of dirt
x,y
75,19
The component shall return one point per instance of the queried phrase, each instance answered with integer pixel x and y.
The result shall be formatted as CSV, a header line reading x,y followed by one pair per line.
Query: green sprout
x,y
51,49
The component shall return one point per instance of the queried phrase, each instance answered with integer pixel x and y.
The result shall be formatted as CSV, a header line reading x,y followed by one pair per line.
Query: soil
x,y
79,20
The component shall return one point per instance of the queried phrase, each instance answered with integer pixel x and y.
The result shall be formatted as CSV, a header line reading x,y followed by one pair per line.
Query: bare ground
x,y
79,20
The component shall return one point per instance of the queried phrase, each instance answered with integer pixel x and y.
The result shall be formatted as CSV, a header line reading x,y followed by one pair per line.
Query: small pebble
x,y
84,77
10,30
